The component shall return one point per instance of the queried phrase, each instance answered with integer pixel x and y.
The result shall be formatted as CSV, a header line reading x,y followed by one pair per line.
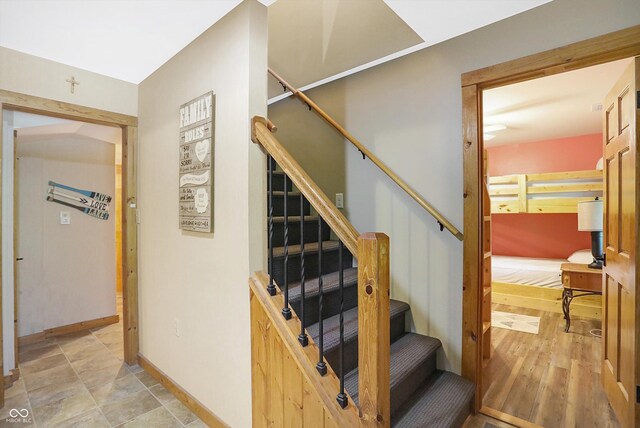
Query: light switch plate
x,y
65,217
339,200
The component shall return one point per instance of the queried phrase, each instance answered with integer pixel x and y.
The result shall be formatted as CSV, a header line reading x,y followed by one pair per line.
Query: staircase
x,y
421,395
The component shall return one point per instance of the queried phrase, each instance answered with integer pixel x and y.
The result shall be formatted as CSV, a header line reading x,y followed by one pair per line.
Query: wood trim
x,y
472,246
14,375
130,245
316,197
38,105
597,50
326,387
69,328
511,420
377,162
373,326
199,409
609,47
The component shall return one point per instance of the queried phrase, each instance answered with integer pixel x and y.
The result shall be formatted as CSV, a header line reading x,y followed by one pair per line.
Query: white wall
x,y
31,75
68,271
199,281
28,74
409,113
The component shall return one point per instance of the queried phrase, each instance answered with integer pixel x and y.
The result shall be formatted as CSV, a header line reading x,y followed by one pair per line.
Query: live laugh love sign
x,y
196,163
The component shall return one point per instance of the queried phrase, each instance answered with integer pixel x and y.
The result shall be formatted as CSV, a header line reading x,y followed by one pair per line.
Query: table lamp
x,y
590,217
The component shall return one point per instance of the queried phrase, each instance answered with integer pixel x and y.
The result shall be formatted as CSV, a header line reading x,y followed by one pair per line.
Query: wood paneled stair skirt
x,y
329,347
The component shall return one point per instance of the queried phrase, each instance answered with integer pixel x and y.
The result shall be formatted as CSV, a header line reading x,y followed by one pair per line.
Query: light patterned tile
x,y
197,424
181,412
162,394
135,368
91,419
130,407
15,389
19,402
157,418
48,377
56,392
46,350
93,378
41,364
59,411
96,362
90,350
116,390
146,379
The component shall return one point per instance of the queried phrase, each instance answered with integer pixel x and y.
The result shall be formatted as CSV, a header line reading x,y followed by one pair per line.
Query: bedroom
x,y
542,302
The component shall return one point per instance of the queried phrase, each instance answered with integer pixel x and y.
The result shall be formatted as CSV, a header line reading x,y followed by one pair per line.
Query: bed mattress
x,y
522,270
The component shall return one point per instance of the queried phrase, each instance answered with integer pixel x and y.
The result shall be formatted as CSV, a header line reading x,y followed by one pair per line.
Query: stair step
x,y
445,401
412,361
278,181
310,230
331,293
293,204
331,335
329,261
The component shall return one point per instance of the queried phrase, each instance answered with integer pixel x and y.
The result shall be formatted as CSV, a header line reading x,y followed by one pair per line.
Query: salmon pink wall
x,y
541,235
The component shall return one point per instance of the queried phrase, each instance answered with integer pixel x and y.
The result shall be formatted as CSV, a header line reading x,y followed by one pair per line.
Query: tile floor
x,y
80,380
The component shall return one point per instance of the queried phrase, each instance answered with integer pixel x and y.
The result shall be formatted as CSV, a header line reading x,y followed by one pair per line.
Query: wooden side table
x,y
578,280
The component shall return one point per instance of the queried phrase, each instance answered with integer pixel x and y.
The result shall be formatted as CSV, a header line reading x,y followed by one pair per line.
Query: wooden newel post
x,y
373,330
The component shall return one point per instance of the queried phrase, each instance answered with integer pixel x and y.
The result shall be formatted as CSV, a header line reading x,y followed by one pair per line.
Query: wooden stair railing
x,y
442,221
289,387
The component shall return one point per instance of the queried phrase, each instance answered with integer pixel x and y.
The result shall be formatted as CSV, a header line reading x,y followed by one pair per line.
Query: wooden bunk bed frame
x,y
557,192
527,193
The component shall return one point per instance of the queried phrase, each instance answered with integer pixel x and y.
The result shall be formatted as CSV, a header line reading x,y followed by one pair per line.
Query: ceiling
x,y
129,40
550,107
34,125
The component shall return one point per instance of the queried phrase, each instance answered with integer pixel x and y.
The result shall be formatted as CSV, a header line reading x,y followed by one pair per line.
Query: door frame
x,y
598,50
13,101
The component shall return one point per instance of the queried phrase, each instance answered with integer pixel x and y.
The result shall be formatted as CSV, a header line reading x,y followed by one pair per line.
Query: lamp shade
x,y
590,215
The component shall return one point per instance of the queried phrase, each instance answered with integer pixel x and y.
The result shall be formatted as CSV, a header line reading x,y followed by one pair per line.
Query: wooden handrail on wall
x,y
444,223
261,134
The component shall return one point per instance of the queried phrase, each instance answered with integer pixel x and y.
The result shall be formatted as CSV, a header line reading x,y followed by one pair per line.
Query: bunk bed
x,y
537,283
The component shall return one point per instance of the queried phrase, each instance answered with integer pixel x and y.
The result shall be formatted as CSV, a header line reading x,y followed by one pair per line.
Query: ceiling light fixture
x,y
494,128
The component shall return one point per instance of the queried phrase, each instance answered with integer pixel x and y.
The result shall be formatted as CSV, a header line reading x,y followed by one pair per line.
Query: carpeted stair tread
x,y
443,402
331,325
309,248
407,354
295,218
330,283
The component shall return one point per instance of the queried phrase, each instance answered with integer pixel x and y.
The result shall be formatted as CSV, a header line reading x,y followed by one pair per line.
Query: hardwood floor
x,y
551,379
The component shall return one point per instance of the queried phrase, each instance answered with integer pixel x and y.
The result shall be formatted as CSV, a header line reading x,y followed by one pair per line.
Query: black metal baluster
x,y
271,288
302,337
321,366
342,397
286,312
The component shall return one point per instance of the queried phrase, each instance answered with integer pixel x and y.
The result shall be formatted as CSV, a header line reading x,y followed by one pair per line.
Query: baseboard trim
x,y
181,394
14,375
66,329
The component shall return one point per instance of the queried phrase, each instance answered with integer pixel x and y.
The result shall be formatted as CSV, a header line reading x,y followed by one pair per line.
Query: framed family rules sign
x,y
197,142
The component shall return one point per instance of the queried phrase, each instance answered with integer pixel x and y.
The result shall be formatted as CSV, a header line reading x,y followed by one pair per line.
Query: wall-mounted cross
x,y
73,82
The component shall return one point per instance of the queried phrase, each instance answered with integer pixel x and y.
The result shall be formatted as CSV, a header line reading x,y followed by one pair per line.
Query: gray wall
x,y
408,112
199,281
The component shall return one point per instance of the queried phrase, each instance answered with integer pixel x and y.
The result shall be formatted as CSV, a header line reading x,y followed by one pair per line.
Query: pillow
x,y
581,256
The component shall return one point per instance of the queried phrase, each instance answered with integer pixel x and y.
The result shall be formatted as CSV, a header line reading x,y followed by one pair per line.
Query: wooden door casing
x,y
620,226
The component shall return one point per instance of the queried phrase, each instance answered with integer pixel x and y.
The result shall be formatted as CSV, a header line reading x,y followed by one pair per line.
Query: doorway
x,y
543,151
611,47
127,128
